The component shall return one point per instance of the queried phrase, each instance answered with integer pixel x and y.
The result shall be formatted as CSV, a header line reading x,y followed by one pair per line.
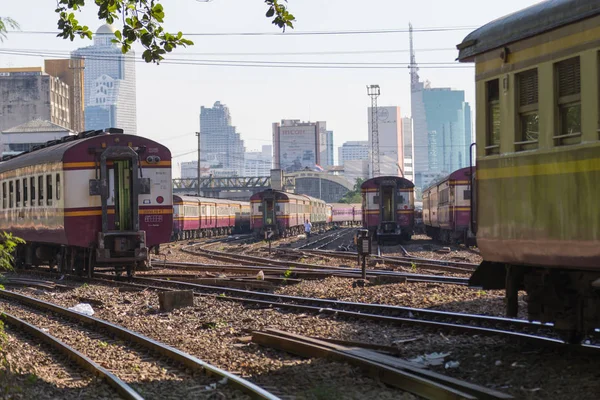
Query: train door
x,y
123,195
388,204
269,211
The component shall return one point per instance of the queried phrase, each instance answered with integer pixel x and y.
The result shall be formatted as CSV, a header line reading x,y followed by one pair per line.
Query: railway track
x,y
252,264
164,371
515,329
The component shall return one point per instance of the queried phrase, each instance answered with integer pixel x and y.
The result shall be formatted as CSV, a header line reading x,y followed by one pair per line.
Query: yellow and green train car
x,y
537,180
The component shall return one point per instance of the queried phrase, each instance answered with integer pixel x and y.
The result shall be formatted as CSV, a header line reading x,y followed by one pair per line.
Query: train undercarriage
x,y
570,299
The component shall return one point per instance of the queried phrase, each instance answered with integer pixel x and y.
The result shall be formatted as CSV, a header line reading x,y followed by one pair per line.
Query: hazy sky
x,y
169,96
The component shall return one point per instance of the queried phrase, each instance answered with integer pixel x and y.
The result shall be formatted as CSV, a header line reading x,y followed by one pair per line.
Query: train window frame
x,y
492,107
4,196
467,194
25,192
40,182
17,193
11,194
49,189
57,186
527,103
568,97
32,186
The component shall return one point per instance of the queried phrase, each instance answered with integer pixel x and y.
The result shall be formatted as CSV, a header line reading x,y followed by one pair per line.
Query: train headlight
x,y
153,159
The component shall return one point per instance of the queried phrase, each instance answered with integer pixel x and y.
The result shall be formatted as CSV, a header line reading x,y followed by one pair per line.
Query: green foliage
x,y
353,196
8,244
413,267
288,273
6,22
143,22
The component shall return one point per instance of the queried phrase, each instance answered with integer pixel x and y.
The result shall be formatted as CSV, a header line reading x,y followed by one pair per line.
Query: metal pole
x,y
199,168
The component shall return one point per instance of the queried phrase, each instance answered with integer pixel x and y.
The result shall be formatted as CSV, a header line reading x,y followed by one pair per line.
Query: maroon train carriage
x,y
196,217
346,214
447,208
388,208
285,213
98,198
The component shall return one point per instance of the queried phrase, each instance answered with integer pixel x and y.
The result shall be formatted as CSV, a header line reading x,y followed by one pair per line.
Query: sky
x,y
169,96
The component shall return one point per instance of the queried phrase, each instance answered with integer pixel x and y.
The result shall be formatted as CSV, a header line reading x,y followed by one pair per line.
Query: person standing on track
x,y
307,228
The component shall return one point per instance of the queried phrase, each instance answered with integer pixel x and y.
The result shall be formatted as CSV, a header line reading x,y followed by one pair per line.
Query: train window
x,y
25,193
18,192
4,192
57,186
375,200
49,189
32,185
528,128
568,79
11,191
492,145
467,194
40,190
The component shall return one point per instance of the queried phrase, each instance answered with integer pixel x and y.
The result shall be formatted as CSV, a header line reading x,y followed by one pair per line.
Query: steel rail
x,y
185,359
122,388
321,272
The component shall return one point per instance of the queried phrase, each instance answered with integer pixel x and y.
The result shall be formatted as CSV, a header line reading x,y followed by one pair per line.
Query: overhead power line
x,y
293,33
250,63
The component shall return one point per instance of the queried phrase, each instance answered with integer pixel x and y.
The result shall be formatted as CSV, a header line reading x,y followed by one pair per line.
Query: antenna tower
x,y
373,91
414,69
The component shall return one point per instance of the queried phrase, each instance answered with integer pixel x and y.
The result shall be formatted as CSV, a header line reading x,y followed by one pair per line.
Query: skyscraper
x,y
330,161
391,147
299,145
441,127
409,148
219,139
109,84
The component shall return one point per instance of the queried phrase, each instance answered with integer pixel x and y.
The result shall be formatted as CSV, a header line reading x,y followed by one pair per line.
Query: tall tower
x,y
373,91
414,69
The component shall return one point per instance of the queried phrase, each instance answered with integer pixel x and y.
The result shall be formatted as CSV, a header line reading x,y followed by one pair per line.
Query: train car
x,y
388,207
284,213
97,198
197,217
346,214
447,208
536,213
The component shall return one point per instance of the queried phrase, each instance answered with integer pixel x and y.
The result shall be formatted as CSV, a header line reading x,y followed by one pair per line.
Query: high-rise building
x,y
442,131
409,148
330,160
220,140
299,145
70,71
258,163
29,93
391,146
353,150
109,84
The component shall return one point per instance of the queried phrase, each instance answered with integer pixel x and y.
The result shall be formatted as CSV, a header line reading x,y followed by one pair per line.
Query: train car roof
x,y
345,204
285,195
56,150
459,174
531,21
375,182
191,199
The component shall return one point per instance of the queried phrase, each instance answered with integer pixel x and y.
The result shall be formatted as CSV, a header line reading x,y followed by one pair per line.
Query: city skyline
x,y
170,94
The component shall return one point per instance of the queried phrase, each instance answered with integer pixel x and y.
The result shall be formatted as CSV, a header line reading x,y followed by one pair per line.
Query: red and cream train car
x,y
195,217
447,207
388,207
346,214
285,213
100,197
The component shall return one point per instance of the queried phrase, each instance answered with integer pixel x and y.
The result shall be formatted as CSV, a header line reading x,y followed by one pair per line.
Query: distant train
x,y
198,217
96,198
284,213
447,208
388,208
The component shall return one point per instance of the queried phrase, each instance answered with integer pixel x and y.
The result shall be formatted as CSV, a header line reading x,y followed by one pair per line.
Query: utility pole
x,y
199,168
373,91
